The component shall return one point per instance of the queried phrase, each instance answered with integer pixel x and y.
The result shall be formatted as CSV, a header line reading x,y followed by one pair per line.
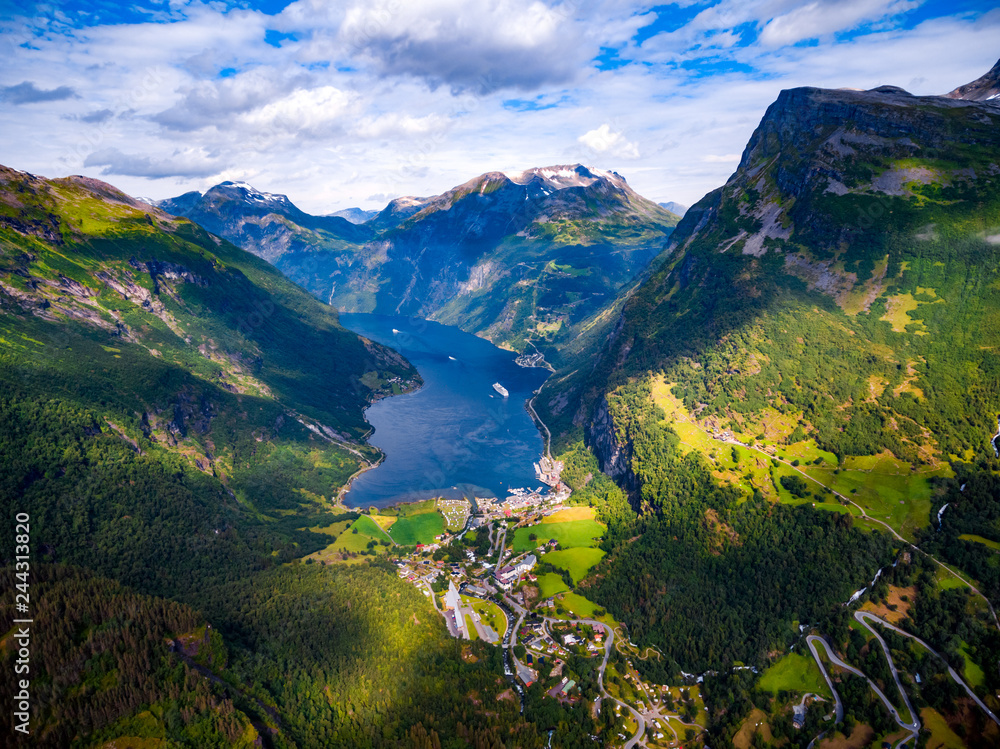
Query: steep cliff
x,y
841,282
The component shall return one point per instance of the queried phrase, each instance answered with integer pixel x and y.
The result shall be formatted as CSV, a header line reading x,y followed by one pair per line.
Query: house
x,y
526,564
569,640
798,715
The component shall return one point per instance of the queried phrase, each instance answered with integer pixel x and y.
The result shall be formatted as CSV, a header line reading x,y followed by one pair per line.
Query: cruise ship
x,y
500,389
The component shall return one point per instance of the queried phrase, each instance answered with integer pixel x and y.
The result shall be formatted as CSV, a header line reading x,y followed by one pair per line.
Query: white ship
x,y
500,389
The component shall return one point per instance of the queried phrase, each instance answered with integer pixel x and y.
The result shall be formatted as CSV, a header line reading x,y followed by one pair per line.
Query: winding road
x,y
510,639
865,619
912,728
862,616
864,515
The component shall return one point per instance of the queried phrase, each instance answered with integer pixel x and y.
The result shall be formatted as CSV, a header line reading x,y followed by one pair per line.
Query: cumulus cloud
x,y
28,93
608,142
214,103
416,96
190,164
470,45
302,112
399,125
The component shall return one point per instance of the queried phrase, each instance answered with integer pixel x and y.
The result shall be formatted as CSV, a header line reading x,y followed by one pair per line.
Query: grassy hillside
x,y
176,418
809,368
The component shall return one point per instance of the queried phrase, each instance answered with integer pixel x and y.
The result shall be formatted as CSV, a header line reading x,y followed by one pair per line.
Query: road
x,y
864,515
640,721
548,435
863,616
501,541
913,728
839,706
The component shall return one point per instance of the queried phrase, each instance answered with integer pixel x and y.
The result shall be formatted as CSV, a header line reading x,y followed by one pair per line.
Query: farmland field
x,y
576,561
794,673
550,584
569,514
573,533
421,528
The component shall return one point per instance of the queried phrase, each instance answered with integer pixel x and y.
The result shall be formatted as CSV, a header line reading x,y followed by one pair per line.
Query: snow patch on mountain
x,y
562,176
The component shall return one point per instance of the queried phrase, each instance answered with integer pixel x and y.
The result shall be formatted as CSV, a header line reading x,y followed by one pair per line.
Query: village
x,y
505,575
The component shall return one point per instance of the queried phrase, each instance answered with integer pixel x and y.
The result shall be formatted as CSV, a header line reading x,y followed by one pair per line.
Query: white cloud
x,y
477,45
409,97
727,158
605,141
823,17
303,112
399,125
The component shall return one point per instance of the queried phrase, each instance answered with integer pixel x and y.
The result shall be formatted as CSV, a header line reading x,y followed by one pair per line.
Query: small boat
x,y
500,389
453,358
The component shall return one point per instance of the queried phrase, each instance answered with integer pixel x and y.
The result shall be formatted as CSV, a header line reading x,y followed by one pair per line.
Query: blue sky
x,y
354,103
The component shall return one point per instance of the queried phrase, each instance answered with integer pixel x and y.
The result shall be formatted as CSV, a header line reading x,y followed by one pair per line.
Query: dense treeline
x,y
973,501
100,657
353,657
714,577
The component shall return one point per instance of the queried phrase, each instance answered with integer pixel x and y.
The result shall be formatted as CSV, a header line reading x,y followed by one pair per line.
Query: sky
x,y
340,104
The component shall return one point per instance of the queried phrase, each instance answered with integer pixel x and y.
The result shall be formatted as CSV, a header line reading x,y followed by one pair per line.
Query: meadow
x,y
418,528
795,672
576,561
571,534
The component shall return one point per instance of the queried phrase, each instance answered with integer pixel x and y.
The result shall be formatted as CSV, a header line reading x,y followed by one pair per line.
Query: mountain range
x,y
769,402
524,259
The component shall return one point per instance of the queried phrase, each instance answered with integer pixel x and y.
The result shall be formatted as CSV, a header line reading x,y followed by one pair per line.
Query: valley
x,y
533,462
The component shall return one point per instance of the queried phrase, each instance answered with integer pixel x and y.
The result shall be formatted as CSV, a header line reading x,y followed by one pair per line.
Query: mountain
x,y
810,366
524,259
355,215
266,224
675,208
176,419
985,88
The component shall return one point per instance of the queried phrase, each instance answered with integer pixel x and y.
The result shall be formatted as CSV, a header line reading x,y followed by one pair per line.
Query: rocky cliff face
x,y
840,198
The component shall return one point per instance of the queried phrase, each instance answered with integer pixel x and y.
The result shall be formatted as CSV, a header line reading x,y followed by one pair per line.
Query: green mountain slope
x,y
823,330
526,260
183,344
175,419
837,296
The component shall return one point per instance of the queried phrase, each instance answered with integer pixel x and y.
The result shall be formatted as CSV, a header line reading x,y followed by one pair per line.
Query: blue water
x,y
456,436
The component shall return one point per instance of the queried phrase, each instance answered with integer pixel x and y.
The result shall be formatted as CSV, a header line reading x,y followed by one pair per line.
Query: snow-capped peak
x,y
254,194
563,176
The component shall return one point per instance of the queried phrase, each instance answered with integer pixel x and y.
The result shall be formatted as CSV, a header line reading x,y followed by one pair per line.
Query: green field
x,y
795,673
368,530
974,674
578,605
577,561
980,540
573,533
550,584
419,528
947,581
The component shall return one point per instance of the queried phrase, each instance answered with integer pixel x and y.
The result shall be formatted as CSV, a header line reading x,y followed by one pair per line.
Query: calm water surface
x,y
456,436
